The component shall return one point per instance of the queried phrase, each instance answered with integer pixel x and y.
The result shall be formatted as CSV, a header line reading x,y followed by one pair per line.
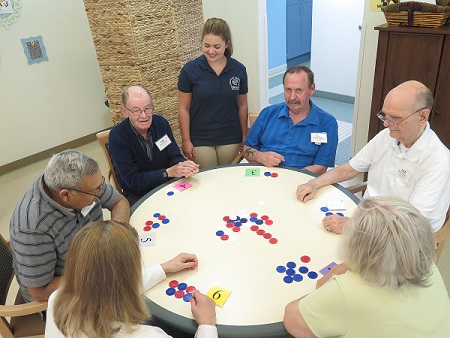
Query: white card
x,y
336,205
163,142
319,138
147,239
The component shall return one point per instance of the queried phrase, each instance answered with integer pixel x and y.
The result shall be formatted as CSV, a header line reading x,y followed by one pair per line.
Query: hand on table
x,y
270,158
306,192
183,169
203,309
335,223
335,270
180,262
188,150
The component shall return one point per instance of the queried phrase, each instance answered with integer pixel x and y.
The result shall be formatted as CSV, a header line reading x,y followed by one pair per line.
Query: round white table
x,y
249,263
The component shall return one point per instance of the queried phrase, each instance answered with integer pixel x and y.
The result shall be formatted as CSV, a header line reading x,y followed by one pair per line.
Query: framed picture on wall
x,y
9,11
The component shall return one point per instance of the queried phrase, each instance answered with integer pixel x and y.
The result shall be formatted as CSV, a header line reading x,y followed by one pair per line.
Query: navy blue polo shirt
x,y
214,112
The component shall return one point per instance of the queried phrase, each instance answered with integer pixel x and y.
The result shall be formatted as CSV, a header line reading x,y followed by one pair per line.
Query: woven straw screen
x,y
145,42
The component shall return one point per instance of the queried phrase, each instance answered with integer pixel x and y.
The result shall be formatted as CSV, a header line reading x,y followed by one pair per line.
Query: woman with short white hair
x,y
391,286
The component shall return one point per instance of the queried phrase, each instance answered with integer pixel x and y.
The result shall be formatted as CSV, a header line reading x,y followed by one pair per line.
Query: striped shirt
x,y
41,231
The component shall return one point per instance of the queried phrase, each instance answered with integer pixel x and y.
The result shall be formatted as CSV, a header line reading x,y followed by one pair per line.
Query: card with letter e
x,y
219,294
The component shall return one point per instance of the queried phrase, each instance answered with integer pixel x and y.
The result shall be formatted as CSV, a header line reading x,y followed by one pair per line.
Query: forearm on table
x,y
121,210
251,154
341,173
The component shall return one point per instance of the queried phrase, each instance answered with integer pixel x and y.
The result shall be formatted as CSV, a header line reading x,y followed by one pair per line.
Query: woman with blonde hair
x,y
391,286
212,100
101,290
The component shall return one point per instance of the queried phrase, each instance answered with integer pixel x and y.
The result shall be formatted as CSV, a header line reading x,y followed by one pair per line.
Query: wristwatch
x,y
165,174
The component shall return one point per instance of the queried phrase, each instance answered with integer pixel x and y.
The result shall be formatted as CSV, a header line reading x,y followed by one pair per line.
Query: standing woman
x,y
212,100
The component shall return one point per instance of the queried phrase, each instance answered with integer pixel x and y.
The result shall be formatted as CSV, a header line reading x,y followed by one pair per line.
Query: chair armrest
x,y
239,157
357,187
22,309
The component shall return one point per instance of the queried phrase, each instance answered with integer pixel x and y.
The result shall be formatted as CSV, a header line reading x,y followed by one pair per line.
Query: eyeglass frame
x,y
101,187
134,112
392,122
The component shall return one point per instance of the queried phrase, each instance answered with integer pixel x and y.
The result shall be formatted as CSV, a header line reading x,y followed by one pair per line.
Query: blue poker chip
x,y
259,221
169,193
182,286
297,277
170,291
187,297
237,224
312,275
155,225
288,279
267,173
156,214
290,272
291,265
165,221
303,269
219,233
243,220
281,269
340,214
324,209
253,219
329,213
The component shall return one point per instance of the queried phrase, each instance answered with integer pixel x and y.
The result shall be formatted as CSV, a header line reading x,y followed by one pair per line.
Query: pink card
x,y
183,185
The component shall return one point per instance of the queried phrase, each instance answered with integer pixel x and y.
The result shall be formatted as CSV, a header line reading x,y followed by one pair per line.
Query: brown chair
x,y
102,138
251,119
25,320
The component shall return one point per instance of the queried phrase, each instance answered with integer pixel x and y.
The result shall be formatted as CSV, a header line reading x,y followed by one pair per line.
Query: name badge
x,y
163,142
319,138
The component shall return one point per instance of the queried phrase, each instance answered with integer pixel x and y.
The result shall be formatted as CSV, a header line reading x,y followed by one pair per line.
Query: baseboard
x,y
277,70
46,154
334,97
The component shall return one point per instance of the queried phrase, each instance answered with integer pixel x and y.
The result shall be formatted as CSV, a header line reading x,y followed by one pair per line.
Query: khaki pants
x,y
213,156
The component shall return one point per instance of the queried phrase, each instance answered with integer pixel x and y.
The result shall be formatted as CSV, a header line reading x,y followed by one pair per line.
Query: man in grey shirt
x,y
69,194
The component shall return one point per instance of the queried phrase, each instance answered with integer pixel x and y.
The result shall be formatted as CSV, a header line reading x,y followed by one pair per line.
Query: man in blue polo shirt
x,y
295,133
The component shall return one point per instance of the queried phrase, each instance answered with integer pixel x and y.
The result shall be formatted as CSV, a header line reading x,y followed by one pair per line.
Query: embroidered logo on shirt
x,y
234,83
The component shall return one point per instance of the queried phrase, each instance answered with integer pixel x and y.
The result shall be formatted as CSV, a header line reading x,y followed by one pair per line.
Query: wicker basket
x,y
418,14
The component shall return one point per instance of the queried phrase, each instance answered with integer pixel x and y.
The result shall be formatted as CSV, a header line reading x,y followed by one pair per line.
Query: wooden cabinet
x,y
414,53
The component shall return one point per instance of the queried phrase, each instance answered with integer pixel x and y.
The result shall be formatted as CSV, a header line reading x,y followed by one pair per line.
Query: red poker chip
x,y
265,217
161,217
260,232
147,228
149,223
236,229
274,175
254,227
224,237
267,235
190,289
230,224
253,214
179,294
305,259
173,283
269,222
273,240
226,218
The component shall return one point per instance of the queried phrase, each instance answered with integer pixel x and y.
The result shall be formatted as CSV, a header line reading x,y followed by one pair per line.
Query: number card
x,y
219,294
147,239
252,172
183,185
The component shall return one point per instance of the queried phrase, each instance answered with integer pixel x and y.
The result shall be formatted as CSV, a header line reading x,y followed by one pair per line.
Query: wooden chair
x,y
440,235
102,138
251,119
25,320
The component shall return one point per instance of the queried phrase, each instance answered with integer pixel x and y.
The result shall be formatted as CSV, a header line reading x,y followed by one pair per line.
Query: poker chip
x,y
219,233
170,193
329,213
269,222
165,221
224,237
274,175
291,265
236,229
156,214
273,240
281,269
290,272
288,279
179,294
260,232
173,283
156,225
187,297
297,277
305,259
267,235
303,269
267,173
170,291
182,286
312,275
254,228
149,223
190,289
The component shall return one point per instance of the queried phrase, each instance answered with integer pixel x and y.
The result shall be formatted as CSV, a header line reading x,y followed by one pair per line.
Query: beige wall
x,y
47,104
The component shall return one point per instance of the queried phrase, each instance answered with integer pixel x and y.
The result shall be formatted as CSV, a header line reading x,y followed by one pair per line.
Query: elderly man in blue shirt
x,y
295,133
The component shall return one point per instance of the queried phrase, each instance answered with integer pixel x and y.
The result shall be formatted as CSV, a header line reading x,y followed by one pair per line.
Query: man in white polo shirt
x,y
406,160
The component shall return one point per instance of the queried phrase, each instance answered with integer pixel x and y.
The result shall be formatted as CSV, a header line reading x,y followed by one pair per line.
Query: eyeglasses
x,y
98,190
138,112
382,116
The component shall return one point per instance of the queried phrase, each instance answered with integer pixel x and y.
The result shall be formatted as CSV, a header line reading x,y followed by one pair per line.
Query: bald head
x,y
411,95
135,91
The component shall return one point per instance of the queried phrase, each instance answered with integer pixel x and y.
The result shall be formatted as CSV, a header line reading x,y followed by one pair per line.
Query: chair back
x,y
6,269
441,236
102,138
